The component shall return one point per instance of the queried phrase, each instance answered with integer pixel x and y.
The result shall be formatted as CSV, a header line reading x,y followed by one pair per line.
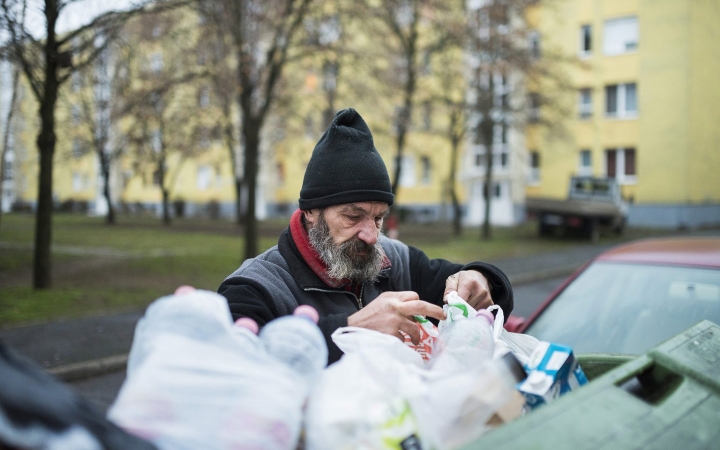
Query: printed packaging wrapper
x,y
428,338
553,371
456,308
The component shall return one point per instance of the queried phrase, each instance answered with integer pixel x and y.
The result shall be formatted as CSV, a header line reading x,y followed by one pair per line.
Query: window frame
x,y
621,101
586,37
613,25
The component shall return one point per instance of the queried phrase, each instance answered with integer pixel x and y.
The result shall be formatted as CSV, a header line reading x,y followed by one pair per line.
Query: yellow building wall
x,y
704,104
676,69
663,88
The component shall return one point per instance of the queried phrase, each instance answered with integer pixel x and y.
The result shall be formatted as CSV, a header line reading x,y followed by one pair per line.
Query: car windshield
x,y
629,308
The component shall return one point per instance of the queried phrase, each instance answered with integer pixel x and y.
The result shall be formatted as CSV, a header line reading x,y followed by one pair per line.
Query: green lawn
x,y
99,268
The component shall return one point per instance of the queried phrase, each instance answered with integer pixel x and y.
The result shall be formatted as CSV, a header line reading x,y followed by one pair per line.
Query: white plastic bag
x,y
381,395
520,345
196,381
363,400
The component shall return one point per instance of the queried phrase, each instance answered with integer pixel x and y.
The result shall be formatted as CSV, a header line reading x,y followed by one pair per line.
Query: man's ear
x,y
310,216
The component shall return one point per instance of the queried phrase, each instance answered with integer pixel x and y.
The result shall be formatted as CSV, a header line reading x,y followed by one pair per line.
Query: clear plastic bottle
x,y
297,342
465,344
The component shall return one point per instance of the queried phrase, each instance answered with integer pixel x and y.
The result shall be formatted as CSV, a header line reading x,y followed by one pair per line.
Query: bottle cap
x,y
246,322
484,313
307,311
185,289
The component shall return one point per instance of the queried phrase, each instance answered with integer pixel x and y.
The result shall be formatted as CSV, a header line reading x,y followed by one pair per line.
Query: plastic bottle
x,y
297,342
465,344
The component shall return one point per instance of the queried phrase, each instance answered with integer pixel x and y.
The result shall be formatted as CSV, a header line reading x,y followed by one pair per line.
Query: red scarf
x,y
312,257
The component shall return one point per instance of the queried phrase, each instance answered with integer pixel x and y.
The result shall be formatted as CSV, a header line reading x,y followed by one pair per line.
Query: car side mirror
x,y
513,323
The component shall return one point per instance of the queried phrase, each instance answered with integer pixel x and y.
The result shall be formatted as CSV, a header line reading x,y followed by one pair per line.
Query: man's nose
x,y
368,232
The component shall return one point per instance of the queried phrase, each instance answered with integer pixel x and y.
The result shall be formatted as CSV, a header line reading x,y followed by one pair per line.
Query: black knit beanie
x,y
345,167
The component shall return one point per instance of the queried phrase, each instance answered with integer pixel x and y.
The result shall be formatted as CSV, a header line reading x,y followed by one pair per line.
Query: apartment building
x,y
646,99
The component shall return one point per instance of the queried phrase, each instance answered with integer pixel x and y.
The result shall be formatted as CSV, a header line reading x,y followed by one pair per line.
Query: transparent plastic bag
x,y
519,344
195,380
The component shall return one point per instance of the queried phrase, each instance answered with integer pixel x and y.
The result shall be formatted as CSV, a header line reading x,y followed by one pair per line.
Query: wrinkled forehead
x,y
372,208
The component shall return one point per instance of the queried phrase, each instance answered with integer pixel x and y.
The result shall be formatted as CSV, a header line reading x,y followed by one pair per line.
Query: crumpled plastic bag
x,y
519,344
381,395
196,381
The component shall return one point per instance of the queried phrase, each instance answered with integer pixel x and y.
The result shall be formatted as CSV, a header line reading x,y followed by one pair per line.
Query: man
x,y
334,257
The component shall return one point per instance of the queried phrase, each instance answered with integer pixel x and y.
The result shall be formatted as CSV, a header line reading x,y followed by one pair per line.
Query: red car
x,y
632,297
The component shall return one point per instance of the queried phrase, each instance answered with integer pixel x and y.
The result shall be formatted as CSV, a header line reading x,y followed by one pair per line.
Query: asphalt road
x,y
102,390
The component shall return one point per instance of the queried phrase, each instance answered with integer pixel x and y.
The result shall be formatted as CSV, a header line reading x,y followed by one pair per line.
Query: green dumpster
x,y
668,398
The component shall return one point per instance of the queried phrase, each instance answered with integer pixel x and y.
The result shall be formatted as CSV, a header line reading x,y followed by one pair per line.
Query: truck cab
x,y
593,204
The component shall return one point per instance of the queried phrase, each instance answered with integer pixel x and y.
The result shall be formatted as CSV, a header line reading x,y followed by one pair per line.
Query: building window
x,y
75,115
585,107
407,171
280,172
479,159
156,62
77,150
204,137
426,170
427,116
533,107
504,158
77,182
534,175
156,141
8,172
621,100
76,81
204,97
204,177
534,44
620,36
585,166
620,163
497,190
586,40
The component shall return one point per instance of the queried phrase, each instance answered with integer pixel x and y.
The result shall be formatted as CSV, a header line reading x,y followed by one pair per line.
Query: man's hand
x,y
472,286
391,312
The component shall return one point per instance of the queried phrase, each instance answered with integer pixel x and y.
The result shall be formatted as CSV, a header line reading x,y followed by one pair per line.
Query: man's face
x,y
346,237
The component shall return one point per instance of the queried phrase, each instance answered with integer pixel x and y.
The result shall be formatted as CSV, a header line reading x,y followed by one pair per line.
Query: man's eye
x,y
353,217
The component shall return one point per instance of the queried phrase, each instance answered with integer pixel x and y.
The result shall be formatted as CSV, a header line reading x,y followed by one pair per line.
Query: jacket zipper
x,y
329,291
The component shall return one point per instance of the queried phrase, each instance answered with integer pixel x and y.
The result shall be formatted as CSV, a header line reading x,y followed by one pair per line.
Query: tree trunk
x,y
166,206
487,132
43,217
239,204
110,217
46,147
455,139
251,131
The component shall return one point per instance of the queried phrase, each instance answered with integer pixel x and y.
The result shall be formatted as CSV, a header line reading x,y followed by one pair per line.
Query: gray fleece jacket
x,y
274,283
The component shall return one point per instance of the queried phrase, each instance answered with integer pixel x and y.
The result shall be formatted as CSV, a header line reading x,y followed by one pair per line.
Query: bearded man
x,y
334,257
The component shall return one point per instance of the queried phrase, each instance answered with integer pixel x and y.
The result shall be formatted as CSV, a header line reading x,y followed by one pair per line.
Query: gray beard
x,y
344,261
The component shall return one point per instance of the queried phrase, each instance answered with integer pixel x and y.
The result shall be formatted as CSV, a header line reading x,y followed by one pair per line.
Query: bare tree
x,y
8,123
166,129
99,108
505,58
47,63
264,35
402,19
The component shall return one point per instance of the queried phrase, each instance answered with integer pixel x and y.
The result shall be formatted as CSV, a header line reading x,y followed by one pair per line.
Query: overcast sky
x,y
76,14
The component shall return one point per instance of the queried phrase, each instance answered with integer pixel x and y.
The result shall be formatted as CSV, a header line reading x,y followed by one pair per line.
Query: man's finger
x,y
420,308
410,328
451,283
405,296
